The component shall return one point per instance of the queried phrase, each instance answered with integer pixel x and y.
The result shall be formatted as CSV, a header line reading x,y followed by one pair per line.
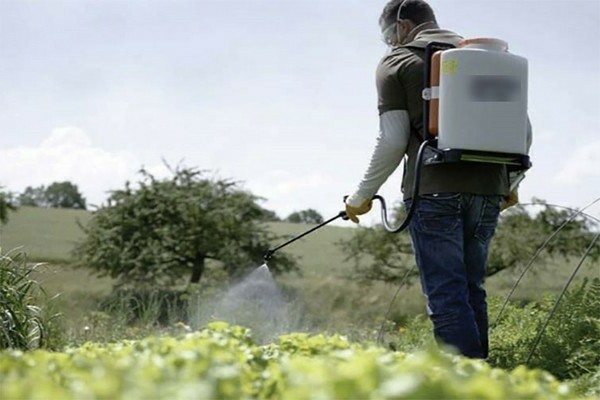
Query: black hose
x,y
415,195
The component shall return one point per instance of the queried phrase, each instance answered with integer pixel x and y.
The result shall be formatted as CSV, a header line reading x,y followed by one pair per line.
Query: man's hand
x,y
352,212
511,200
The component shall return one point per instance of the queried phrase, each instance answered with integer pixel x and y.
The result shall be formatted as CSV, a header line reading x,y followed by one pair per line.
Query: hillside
x,y
45,234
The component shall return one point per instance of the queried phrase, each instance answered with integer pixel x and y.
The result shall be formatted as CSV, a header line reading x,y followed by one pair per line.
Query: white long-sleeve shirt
x,y
394,131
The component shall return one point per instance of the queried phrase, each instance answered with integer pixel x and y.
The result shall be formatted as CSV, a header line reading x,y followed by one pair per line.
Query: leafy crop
x,y
222,361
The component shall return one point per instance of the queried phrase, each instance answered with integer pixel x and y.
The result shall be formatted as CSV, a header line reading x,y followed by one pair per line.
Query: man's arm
x,y
394,131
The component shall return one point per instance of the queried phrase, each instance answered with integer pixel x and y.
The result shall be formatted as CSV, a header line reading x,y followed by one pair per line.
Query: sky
x,y
278,95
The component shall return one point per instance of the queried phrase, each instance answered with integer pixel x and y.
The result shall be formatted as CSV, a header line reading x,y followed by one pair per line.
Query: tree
x,y
164,230
57,195
270,216
33,197
308,216
380,256
64,195
6,204
520,234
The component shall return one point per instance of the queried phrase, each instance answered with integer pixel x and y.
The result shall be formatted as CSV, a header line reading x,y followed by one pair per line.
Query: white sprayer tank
x,y
483,98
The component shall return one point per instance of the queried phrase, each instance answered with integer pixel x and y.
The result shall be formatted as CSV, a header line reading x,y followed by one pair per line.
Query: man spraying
x,y
459,203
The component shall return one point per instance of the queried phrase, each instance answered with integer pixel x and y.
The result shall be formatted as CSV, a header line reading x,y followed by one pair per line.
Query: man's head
x,y
399,17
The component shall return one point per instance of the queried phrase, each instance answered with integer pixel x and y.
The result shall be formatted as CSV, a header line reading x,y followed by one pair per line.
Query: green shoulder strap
x,y
417,45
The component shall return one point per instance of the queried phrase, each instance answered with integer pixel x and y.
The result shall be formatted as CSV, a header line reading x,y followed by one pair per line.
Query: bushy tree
x,y
381,256
57,195
520,234
64,195
6,204
33,196
270,216
308,216
164,230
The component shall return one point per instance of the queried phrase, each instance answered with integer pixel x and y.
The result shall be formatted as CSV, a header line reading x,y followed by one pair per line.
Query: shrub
x,y
570,345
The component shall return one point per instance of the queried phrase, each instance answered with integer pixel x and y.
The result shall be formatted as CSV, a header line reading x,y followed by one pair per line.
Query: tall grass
x,y
22,323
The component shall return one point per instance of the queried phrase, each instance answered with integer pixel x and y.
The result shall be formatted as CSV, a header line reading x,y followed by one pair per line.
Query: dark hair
x,y
418,11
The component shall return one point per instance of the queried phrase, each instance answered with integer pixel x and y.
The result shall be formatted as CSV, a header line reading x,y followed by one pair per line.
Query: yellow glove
x,y
511,200
364,208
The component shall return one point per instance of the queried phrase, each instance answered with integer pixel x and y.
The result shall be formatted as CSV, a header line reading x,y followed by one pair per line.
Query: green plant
x,y
22,322
224,362
570,346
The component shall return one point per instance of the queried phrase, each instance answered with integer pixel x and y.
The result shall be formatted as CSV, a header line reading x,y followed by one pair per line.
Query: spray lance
x,y
270,252
342,214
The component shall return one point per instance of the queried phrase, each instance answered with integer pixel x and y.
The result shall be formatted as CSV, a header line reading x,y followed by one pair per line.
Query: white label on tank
x,y
494,88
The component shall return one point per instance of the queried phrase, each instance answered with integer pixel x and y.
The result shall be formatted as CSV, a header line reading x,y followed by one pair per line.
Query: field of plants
x,y
78,340
223,362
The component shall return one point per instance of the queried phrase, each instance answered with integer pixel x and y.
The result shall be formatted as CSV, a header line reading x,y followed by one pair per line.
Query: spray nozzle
x,y
268,255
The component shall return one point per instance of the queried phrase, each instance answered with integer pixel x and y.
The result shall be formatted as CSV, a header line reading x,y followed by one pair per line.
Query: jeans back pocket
x,y
439,212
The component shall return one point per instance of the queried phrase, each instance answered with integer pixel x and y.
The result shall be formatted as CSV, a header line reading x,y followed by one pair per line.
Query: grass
x,y
317,252
45,234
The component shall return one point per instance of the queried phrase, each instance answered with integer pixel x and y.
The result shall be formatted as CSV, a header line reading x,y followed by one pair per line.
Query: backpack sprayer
x,y
474,110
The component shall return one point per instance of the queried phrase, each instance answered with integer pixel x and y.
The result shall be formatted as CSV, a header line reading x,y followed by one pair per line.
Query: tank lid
x,y
484,43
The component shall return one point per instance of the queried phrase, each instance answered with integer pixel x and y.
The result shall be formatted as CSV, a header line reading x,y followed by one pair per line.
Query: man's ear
x,y
406,25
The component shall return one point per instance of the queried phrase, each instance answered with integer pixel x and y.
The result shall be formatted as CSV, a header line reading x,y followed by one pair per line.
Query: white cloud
x,y
69,154
68,136
582,165
286,191
289,185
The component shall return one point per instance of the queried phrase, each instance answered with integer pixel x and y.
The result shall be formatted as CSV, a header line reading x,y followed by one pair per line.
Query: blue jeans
x,y
451,233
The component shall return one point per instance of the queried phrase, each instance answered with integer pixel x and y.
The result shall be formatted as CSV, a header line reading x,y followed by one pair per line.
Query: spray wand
x,y
270,252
